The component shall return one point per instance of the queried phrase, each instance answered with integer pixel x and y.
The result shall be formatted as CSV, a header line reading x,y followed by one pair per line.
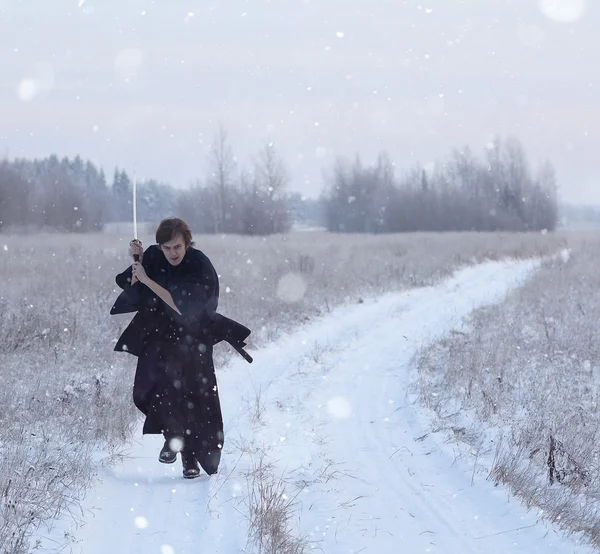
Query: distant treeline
x,y
464,193
576,216
497,193
74,195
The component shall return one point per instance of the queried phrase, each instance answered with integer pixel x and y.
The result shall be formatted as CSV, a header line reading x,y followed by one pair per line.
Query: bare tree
x,y
335,195
194,206
221,182
252,201
265,195
356,198
516,182
542,205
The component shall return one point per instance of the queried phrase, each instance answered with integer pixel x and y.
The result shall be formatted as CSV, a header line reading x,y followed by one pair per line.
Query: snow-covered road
x,y
331,407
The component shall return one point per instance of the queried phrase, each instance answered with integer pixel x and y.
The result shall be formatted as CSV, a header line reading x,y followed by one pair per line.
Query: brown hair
x,y
169,228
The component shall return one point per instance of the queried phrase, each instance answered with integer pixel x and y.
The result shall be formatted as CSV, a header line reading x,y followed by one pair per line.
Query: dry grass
x,y
271,512
528,370
66,394
268,508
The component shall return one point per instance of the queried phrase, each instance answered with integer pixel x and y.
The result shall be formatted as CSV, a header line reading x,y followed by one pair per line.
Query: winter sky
x,y
141,83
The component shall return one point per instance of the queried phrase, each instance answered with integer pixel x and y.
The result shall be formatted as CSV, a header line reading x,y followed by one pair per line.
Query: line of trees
x,y
67,195
74,196
464,193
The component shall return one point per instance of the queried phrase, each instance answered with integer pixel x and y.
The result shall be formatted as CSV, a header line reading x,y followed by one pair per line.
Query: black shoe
x,y
167,456
190,466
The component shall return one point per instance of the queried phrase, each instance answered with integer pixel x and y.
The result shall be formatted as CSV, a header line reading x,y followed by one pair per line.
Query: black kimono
x,y
175,384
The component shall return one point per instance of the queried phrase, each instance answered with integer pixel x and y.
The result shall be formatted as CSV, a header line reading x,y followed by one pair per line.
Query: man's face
x,y
174,250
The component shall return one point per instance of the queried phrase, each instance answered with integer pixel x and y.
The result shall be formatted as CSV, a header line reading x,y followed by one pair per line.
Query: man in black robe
x,y
175,290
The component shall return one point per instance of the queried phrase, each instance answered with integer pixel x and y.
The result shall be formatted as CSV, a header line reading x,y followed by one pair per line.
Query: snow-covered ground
x,y
331,408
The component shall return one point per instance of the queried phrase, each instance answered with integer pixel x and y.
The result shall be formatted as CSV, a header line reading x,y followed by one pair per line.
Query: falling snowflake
x,y
563,11
27,90
291,287
176,444
141,522
339,407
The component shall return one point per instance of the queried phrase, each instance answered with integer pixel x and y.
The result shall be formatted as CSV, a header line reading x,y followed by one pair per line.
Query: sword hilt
x,y
136,257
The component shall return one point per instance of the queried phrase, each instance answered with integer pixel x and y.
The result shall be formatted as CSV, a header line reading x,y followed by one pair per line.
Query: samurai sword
x,y
135,240
127,301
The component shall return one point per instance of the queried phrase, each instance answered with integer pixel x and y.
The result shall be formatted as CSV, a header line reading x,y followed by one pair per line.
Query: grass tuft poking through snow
x,y
271,512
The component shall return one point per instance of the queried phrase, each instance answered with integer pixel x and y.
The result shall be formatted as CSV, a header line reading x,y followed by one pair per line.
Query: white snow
x,y
340,421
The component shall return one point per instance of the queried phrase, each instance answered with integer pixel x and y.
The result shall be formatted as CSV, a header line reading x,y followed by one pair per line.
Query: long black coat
x,y
175,385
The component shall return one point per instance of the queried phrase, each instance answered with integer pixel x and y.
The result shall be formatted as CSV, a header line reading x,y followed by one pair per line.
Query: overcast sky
x,y
140,83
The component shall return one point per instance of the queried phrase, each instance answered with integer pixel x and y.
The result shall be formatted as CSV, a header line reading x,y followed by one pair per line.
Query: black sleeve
x,y
123,280
196,295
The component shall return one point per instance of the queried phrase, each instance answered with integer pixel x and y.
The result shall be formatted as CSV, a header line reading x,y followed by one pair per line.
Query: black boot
x,y
190,465
167,456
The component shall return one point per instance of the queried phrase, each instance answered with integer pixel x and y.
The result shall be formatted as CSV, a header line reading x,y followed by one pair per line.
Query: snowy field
x,y
328,407
68,394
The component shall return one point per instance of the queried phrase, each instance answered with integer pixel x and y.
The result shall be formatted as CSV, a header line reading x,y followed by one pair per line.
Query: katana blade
x,y
135,234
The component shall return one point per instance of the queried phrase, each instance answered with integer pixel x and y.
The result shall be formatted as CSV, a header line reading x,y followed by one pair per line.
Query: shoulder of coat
x,y
198,254
152,249
153,255
197,258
